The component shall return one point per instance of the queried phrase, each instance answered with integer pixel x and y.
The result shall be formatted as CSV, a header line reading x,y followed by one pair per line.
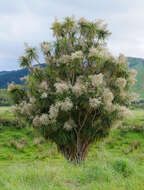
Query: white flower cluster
x,y
123,95
66,105
93,52
16,109
53,112
46,47
44,95
121,59
107,98
94,102
79,88
132,76
65,59
77,55
37,121
121,83
68,125
125,112
27,108
133,96
50,118
82,20
44,85
25,78
11,86
61,87
32,100
133,72
96,79
44,118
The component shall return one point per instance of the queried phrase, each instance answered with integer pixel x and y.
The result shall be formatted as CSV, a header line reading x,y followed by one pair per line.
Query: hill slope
x,y
136,63
12,76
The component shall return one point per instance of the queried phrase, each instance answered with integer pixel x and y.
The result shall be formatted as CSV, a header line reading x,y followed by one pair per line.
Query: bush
x,y
122,167
81,93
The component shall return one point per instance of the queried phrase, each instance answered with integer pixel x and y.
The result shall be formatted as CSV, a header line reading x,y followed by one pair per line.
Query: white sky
x,y
30,21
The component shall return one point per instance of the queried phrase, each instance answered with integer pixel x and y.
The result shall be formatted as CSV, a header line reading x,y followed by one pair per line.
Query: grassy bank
x,y
29,162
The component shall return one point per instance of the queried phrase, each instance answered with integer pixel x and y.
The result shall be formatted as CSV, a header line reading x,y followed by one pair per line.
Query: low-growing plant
x,y
81,93
122,167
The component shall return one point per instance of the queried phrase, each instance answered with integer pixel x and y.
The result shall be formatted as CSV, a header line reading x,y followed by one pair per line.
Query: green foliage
x,y
122,167
4,98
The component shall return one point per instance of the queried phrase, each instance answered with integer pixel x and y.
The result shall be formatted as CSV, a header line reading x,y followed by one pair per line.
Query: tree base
x,y
75,154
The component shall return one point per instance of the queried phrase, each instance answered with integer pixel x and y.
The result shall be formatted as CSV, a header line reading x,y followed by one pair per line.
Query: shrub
x,y
81,92
122,167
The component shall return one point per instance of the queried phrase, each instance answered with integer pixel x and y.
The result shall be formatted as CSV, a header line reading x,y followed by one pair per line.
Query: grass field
x,y
28,162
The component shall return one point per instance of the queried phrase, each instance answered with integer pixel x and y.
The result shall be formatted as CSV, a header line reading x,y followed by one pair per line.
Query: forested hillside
x,y
12,76
136,63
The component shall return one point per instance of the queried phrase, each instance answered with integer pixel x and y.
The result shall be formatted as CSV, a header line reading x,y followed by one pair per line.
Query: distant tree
x,y
81,93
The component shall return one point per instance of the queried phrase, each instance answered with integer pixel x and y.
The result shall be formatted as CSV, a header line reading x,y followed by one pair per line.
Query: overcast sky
x,y
30,21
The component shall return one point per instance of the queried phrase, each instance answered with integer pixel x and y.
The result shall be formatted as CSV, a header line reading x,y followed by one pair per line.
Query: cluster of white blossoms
x,y
133,72
68,125
16,109
44,118
95,102
44,95
46,47
50,118
93,52
27,108
25,78
37,121
41,120
79,88
77,55
121,83
132,96
82,20
53,112
124,112
108,98
66,105
65,59
104,53
132,76
32,100
121,59
44,85
11,86
123,95
61,87
96,79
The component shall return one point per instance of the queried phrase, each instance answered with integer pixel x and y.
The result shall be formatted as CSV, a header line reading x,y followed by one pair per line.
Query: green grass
x,y
115,164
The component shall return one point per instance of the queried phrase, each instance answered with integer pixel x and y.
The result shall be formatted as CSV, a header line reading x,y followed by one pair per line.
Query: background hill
x,y
136,63
12,76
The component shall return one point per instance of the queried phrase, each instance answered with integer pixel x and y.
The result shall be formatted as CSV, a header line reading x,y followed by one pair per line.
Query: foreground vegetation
x,y
28,162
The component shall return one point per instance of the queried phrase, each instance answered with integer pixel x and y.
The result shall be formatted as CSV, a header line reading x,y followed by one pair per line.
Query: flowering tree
x,y
81,93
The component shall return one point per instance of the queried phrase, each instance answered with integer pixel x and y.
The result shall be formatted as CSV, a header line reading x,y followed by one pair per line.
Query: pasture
x,y
29,162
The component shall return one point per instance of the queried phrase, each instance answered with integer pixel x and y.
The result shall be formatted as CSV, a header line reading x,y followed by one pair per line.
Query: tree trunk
x,y
75,153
